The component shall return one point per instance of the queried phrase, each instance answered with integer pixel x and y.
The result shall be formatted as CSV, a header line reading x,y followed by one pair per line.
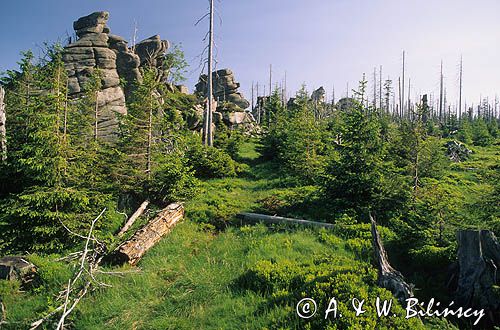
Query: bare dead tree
x,y
3,129
374,88
460,89
207,128
441,93
380,88
252,97
403,87
333,95
134,36
400,112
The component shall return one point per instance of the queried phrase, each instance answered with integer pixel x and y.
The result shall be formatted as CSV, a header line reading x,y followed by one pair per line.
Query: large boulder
x,y
152,50
93,23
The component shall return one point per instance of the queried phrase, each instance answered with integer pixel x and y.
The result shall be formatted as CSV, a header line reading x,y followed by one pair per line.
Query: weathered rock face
x,y
152,50
92,51
231,102
93,23
344,104
96,48
225,88
318,96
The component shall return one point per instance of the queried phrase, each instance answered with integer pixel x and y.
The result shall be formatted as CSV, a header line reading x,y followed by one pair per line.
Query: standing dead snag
x,y
388,277
131,251
3,131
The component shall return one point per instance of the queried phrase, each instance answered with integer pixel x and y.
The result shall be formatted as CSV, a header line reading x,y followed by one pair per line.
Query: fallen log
x,y
388,277
133,218
269,219
131,251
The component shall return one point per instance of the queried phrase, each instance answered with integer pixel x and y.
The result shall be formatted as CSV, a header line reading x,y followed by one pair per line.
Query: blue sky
x,y
317,42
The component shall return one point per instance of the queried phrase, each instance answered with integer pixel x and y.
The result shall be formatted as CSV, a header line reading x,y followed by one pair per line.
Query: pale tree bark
x,y
388,277
131,251
96,115
133,218
208,133
3,130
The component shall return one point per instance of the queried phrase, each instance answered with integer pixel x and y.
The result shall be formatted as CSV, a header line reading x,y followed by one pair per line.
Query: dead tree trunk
x,y
388,277
131,251
3,130
269,219
479,260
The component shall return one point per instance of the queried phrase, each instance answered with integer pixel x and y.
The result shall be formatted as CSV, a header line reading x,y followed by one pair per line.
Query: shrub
x,y
173,180
321,280
210,162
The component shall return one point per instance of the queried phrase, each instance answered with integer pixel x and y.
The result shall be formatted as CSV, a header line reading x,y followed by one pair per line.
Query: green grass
x,y
188,281
192,278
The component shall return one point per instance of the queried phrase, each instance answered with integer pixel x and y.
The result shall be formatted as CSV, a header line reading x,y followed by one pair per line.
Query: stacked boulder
x,y
231,103
83,56
225,89
319,96
96,48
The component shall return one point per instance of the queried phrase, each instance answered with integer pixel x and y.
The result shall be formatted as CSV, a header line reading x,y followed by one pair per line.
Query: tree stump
x,y
17,269
479,260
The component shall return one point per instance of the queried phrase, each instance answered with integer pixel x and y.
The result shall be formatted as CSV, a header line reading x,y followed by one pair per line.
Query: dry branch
x,y
88,264
269,219
3,319
133,218
131,251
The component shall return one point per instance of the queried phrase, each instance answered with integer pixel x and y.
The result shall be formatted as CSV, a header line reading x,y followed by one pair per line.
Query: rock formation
x,y
96,48
344,104
225,89
318,96
83,56
231,102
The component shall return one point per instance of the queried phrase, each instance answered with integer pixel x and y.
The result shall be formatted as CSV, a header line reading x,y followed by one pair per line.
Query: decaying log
x,y
388,277
3,131
269,219
131,251
479,260
133,218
